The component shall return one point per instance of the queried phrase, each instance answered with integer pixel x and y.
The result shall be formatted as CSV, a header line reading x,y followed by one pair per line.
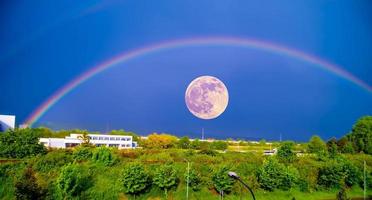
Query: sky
x,y
47,44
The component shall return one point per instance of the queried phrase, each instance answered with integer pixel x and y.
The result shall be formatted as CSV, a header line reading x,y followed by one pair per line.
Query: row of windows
x,y
109,138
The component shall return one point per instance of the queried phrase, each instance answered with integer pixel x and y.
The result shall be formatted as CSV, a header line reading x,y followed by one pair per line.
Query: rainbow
x,y
217,41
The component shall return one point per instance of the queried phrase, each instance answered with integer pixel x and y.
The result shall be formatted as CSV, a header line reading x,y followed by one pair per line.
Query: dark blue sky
x,y
45,45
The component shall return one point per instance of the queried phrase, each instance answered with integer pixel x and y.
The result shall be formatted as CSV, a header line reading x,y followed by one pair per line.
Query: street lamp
x,y
235,176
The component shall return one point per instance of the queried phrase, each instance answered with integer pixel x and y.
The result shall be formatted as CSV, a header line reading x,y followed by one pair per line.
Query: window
x,y
122,139
100,138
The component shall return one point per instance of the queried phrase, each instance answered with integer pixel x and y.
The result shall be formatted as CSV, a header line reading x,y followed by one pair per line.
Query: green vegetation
x,y
315,170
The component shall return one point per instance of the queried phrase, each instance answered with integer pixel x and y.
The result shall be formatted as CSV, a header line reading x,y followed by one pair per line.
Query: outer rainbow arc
x,y
223,41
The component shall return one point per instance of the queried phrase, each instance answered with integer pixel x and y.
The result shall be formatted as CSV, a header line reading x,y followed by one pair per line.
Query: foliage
x,y
82,153
53,160
183,143
134,179
194,179
318,147
160,141
165,177
331,175
221,181
208,152
103,155
72,181
26,187
219,145
332,147
285,152
274,175
20,143
361,135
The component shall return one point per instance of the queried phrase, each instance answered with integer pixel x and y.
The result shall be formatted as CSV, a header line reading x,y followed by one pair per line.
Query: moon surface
x,y
206,97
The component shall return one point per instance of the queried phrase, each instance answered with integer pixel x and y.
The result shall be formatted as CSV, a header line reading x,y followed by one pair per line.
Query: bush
x,y
20,143
165,177
103,155
134,179
221,181
82,153
194,179
331,175
208,152
26,186
274,175
285,152
72,181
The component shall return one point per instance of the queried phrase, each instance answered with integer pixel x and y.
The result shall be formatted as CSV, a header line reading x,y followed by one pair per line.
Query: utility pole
x,y
280,139
188,176
365,183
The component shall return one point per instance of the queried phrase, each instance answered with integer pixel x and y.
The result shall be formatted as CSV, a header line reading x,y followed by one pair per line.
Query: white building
x,y
7,122
119,141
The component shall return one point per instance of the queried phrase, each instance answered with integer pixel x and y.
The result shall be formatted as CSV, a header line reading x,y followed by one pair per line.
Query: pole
x,y
250,190
365,183
235,176
188,176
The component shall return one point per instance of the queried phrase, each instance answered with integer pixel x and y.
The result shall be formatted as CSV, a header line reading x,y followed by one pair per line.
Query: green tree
x,y
165,177
103,155
183,143
348,148
221,181
332,147
20,143
26,187
85,139
194,178
285,152
317,146
72,181
134,179
361,135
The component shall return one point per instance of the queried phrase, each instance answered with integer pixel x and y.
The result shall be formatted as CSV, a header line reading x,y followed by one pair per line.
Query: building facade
x,y
7,122
118,141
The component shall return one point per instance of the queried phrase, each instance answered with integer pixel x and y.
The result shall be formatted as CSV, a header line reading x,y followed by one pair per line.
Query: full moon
x,y
206,97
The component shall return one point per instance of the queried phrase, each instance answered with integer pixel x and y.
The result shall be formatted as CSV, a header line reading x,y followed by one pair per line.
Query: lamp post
x,y
235,176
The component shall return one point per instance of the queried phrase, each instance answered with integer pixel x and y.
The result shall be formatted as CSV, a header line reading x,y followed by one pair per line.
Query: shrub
x,y
165,177
285,152
134,179
103,155
72,181
274,175
194,179
208,152
82,153
331,175
26,186
221,181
